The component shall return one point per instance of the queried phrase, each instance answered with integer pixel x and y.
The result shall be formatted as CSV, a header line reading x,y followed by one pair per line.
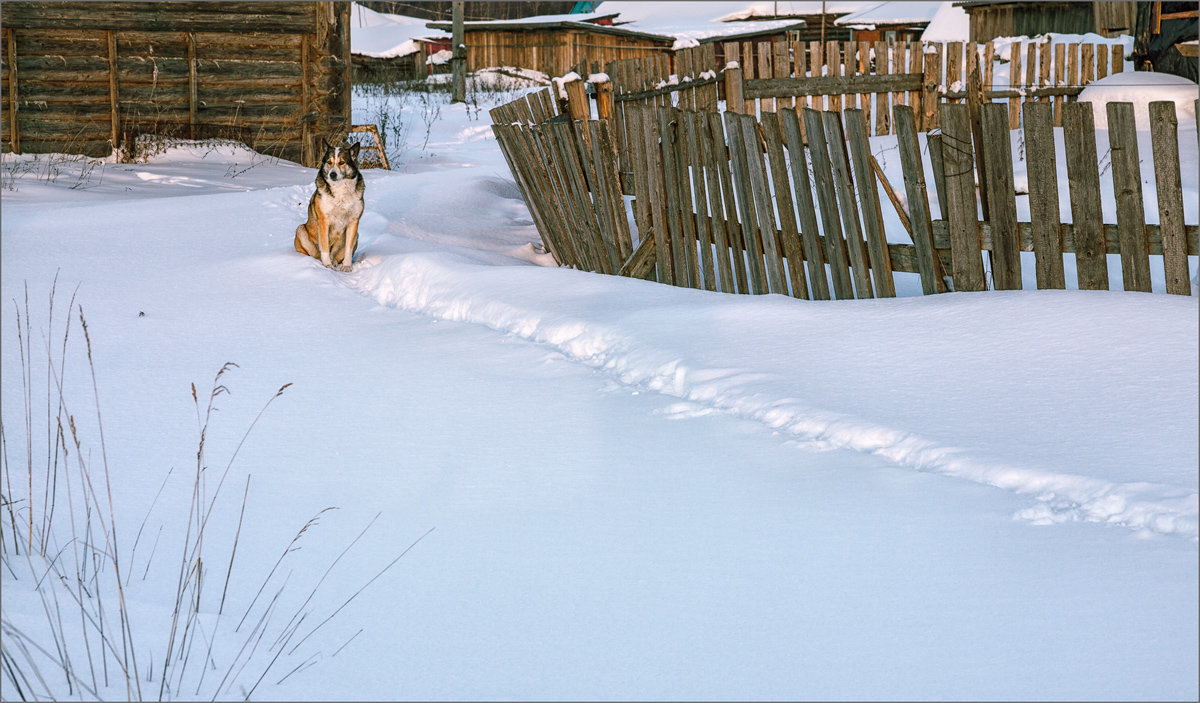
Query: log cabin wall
x,y
83,77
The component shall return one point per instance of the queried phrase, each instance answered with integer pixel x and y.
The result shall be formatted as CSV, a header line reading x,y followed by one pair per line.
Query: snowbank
x,y
1141,89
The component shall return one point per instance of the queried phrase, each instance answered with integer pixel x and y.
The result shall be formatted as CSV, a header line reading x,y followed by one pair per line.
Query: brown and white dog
x,y
331,232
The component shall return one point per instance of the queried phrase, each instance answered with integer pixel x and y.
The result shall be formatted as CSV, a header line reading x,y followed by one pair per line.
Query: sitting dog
x,y
331,232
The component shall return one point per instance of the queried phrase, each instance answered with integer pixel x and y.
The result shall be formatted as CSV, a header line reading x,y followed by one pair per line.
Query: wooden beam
x,y
193,101
113,88
14,134
830,85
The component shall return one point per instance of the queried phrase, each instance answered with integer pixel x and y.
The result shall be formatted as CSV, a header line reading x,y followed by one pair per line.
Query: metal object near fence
x,y
788,202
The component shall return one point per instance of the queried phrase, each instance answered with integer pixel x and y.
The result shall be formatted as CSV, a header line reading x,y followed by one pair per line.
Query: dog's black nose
x,y
333,176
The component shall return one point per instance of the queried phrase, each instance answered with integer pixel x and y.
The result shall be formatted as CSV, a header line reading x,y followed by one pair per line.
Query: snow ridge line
x,y
421,283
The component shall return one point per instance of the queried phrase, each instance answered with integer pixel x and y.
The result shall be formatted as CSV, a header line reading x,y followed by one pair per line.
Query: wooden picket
x,y
725,201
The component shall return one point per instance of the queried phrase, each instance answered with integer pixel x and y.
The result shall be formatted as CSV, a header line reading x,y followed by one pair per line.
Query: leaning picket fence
x,y
734,203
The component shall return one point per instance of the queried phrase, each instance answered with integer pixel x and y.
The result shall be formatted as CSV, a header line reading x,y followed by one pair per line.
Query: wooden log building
x,y
83,77
555,46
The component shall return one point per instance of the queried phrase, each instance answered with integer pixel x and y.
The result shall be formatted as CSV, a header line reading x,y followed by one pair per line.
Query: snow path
x,y
648,336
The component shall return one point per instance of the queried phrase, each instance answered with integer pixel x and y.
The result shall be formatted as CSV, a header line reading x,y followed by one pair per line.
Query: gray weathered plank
x,y
656,195
1127,188
848,205
700,202
733,226
640,166
683,250
937,162
764,207
919,219
747,213
789,232
1041,164
868,196
814,254
668,130
1002,199
608,172
960,198
578,198
709,148
1083,175
831,224
547,153
591,202
1164,138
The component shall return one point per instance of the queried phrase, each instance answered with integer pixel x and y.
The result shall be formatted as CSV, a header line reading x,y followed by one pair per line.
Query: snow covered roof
x,y
590,17
694,21
890,13
766,10
558,22
385,36
949,23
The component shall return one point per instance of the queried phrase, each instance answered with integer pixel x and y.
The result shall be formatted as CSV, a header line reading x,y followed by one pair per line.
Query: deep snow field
x,y
635,491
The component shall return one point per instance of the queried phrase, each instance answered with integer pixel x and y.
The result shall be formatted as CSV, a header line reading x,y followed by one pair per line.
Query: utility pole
x,y
458,61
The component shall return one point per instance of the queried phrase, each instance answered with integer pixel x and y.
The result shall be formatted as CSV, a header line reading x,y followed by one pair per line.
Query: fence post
x,y
929,88
113,89
577,102
733,89
604,99
974,99
1164,137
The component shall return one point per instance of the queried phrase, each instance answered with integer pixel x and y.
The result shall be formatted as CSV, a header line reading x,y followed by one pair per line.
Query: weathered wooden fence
x,y
871,76
735,203
875,77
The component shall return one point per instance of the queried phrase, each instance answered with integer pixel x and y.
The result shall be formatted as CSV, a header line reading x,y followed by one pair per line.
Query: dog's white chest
x,y
342,203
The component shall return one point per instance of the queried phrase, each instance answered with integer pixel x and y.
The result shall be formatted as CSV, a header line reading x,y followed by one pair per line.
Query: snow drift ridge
x,y
641,334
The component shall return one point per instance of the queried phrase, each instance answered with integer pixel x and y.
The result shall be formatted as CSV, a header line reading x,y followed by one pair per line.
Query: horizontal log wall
x,y
85,77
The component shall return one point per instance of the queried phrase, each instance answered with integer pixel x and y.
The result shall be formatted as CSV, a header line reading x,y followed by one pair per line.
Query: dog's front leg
x,y
323,238
349,244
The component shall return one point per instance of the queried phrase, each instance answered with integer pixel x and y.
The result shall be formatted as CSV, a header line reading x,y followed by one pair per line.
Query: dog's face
x,y
339,162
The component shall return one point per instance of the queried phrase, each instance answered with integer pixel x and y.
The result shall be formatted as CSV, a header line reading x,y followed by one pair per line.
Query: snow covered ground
x,y
635,491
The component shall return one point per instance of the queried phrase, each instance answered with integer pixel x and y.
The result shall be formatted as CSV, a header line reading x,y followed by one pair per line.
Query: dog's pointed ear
x,y
354,151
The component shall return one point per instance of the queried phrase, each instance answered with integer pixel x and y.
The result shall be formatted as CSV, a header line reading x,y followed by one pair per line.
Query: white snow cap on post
x,y
562,81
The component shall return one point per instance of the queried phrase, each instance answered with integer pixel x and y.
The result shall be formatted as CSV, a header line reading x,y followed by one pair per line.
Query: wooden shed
x,y
553,46
83,77
990,19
